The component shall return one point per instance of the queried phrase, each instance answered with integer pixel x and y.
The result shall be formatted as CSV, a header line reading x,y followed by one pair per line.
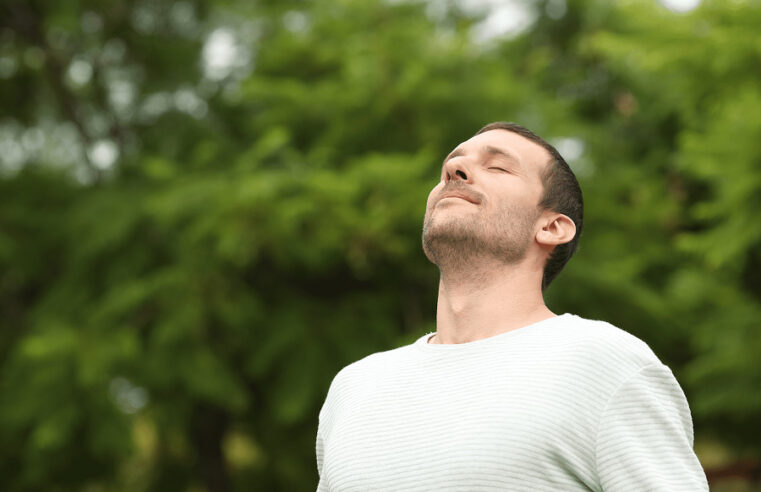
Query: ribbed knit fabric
x,y
562,404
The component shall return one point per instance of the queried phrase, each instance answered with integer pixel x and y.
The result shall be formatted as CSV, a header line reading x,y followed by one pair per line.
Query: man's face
x,y
487,200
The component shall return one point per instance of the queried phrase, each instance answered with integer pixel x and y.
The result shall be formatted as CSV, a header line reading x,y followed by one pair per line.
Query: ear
x,y
556,229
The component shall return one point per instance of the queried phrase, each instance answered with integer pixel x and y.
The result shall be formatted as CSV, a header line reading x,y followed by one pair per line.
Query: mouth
x,y
458,196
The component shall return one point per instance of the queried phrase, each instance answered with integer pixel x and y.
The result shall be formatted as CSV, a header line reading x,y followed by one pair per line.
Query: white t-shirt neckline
x,y
422,342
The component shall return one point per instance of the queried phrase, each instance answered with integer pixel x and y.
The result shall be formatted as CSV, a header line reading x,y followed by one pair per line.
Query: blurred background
x,y
208,208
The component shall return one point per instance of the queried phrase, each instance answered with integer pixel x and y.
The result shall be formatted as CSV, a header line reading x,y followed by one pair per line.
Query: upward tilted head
x,y
508,195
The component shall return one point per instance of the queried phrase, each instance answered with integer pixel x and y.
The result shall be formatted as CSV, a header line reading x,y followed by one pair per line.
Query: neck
x,y
489,300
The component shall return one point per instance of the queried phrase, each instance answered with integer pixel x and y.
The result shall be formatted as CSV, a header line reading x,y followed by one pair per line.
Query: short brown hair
x,y
562,194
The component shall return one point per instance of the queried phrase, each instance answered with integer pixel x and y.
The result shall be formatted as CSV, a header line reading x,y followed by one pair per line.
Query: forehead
x,y
532,157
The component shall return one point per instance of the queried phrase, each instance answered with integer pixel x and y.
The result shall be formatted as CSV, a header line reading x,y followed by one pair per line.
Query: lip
x,y
458,195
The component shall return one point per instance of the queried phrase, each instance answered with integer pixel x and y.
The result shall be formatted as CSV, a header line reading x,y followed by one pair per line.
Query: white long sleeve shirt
x,y
563,404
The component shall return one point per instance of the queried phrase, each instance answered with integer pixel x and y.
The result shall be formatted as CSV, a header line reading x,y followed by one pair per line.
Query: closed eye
x,y
499,169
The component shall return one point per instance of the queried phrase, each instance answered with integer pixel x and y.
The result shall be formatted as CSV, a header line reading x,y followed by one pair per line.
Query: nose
x,y
456,169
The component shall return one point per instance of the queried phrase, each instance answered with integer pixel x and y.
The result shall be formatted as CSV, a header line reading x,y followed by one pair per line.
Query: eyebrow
x,y
488,149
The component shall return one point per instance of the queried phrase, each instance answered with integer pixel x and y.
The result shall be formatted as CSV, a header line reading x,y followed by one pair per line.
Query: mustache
x,y
456,187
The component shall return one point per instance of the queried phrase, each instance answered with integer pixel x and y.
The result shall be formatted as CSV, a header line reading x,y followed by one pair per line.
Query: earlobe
x,y
560,229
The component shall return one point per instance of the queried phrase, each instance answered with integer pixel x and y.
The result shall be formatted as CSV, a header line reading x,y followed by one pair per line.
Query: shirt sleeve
x,y
645,437
324,421
319,450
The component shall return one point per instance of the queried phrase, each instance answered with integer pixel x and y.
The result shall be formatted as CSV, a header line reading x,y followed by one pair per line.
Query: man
x,y
506,395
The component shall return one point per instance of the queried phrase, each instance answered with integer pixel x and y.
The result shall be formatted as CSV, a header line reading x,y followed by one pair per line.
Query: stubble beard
x,y
462,242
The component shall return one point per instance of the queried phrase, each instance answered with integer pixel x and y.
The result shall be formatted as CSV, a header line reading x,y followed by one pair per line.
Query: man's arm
x,y
645,437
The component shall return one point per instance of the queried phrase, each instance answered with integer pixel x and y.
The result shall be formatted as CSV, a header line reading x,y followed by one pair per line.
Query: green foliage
x,y
193,241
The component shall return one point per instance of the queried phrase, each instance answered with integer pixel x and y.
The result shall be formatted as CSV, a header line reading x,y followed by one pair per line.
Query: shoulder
x,y
355,379
372,364
605,347
601,335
